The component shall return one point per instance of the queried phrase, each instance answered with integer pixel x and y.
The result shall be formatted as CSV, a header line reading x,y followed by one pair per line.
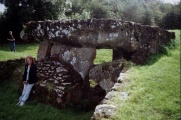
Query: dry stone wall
x,y
8,67
59,84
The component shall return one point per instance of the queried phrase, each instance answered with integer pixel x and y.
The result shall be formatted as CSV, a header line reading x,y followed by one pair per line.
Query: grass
x,y
154,90
22,50
103,55
33,110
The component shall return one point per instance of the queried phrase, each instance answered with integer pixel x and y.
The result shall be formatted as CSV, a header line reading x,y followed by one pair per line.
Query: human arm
x,y
11,38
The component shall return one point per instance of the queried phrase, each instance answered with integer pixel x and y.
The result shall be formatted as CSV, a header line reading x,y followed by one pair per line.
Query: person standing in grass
x,y
29,79
12,41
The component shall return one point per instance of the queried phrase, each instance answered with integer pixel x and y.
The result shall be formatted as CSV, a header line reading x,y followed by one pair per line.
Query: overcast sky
x,y
171,1
166,1
1,8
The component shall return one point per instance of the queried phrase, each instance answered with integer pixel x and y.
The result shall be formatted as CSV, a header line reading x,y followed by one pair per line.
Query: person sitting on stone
x,y
29,79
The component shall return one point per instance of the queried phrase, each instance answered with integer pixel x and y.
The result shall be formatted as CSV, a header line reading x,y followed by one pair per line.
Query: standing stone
x,y
80,58
44,50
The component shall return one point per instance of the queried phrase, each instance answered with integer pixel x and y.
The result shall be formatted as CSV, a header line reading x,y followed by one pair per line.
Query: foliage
x,y
147,12
172,18
19,12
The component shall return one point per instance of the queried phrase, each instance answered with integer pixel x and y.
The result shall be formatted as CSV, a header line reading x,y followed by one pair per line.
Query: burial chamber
x,y
68,49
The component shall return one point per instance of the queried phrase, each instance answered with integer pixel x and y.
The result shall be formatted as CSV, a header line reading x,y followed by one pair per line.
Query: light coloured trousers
x,y
26,92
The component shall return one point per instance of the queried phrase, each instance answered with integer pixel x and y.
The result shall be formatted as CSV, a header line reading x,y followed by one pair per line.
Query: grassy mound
x,y
154,88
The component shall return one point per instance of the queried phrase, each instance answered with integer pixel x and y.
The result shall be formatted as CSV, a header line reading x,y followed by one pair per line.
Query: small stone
x,y
124,95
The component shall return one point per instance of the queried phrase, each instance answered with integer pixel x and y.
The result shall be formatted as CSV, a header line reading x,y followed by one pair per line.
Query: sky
x,y
2,8
171,1
166,1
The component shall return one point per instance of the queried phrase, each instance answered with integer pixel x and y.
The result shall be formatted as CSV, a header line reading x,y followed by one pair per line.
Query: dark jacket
x,y
32,74
11,37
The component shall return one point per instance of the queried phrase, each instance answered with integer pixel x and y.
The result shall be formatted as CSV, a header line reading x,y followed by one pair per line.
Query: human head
x,y
10,32
29,60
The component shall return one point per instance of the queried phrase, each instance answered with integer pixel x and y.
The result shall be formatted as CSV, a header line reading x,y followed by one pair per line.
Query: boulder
x,y
103,111
106,74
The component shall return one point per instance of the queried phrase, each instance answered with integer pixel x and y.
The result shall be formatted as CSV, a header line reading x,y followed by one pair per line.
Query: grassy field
x,y
34,110
24,50
154,89
21,51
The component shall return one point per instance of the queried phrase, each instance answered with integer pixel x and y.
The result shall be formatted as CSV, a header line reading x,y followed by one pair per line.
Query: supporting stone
x,y
80,58
106,74
44,50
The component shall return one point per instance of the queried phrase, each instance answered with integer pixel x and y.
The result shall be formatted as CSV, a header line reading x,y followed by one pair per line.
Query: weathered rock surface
x,y
80,58
106,74
103,111
59,84
107,107
136,39
44,50
68,49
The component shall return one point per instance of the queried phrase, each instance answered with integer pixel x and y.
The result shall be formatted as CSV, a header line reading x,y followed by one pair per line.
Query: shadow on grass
x,y
164,51
154,58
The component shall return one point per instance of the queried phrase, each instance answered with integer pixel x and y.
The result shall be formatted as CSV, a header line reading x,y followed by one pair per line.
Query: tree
x,y
147,18
99,10
20,12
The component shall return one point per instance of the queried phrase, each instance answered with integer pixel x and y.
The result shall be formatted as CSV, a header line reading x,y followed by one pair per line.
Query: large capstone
x,y
134,38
